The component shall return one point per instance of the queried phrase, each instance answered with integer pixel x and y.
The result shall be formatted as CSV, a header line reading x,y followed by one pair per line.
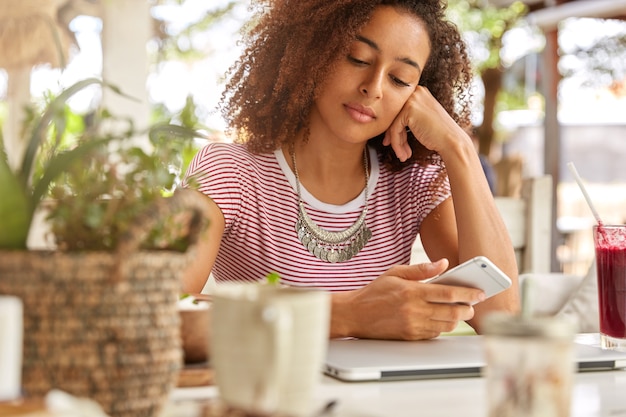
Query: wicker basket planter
x,y
116,343
99,325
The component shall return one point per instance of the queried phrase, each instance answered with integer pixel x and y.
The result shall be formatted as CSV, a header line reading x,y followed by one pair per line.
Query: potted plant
x,y
100,310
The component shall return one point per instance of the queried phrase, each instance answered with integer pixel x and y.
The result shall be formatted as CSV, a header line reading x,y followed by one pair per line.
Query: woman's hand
x,y
428,121
397,306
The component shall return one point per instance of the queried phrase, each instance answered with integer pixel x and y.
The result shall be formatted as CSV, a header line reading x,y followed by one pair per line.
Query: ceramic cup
x,y
610,245
267,346
11,332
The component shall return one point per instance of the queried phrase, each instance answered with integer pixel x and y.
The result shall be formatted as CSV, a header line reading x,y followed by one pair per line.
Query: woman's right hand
x,y
397,305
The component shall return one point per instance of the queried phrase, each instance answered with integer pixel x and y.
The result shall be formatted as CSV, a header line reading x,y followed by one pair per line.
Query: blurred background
x,y
550,84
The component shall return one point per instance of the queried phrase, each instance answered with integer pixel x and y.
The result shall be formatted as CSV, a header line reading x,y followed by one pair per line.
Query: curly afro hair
x,y
294,44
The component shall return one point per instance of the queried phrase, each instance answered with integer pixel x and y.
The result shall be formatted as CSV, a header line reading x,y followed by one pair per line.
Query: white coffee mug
x,y
268,345
11,333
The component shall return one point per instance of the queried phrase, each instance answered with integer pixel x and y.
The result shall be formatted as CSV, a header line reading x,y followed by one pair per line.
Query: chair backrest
x,y
528,219
529,222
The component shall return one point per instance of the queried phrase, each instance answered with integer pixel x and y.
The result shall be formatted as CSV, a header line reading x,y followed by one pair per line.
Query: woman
x,y
349,117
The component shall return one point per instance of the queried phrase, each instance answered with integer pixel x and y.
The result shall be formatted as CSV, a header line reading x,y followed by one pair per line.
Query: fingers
x,y
397,137
438,319
451,312
410,114
427,120
436,293
421,271
448,294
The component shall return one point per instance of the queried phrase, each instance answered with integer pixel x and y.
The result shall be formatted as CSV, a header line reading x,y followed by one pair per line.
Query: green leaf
x,y
94,217
53,110
38,134
15,210
273,278
167,130
59,163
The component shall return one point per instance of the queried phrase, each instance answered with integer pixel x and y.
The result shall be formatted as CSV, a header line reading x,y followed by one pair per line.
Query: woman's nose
x,y
372,86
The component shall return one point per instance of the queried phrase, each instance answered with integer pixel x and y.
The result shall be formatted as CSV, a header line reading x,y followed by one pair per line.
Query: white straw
x,y
572,169
527,297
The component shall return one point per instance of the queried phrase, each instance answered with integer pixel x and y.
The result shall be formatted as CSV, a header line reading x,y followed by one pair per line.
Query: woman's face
x,y
369,86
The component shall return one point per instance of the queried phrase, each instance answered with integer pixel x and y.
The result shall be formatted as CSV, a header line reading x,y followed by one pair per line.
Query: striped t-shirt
x,y
257,196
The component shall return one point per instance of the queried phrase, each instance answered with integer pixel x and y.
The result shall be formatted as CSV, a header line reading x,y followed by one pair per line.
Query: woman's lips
x,y
360,113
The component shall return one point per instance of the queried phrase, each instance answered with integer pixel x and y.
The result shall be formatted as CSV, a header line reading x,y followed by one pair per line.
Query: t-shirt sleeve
x,y
214,172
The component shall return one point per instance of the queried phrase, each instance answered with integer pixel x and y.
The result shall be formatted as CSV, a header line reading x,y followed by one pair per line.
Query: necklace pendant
x,y
334,256
330,246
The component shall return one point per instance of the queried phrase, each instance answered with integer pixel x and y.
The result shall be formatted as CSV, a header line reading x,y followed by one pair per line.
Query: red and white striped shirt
x,y
257,195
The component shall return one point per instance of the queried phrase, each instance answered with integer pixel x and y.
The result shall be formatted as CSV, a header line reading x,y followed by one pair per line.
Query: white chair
x,y
570,296
529,222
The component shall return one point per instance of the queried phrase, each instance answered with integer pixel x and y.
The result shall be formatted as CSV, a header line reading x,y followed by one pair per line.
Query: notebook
x,y
444,357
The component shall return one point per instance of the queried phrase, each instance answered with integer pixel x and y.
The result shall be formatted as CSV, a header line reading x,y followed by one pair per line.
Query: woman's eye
x,y
399,82
395,80
356,60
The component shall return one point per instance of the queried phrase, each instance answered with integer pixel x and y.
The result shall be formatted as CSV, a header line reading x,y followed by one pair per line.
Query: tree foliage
x,y
600,62
484,27
181,42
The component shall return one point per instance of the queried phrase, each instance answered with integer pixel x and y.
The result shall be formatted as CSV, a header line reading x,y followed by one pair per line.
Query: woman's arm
x,y
470,224
206,249
481,230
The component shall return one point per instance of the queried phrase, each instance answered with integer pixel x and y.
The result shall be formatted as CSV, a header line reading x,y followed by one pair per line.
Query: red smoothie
x,y
610,244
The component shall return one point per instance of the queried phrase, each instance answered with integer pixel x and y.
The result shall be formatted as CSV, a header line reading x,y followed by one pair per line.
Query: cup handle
x,y
279,318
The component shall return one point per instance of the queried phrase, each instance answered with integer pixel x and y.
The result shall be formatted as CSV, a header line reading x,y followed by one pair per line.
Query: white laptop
x,y
444,357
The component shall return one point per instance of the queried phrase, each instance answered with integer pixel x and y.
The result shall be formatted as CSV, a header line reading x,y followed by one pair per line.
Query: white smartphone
x,y
478,272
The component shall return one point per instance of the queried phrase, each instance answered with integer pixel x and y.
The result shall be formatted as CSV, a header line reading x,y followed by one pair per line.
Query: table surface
x,y
595,394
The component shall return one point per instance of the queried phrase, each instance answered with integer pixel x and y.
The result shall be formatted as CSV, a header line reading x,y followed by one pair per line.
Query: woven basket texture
x,y
116,341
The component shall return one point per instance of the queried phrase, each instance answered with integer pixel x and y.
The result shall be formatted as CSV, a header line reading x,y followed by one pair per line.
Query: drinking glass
x,y
529,366
610,246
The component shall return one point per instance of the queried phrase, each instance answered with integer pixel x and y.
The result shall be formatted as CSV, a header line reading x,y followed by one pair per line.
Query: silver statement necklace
x,y
326,245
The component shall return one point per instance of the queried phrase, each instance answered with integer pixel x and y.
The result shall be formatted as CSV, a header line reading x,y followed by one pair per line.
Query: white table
x,y
595,394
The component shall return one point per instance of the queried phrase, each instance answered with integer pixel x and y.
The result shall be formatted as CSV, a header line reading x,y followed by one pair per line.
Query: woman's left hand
x,y
429,122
